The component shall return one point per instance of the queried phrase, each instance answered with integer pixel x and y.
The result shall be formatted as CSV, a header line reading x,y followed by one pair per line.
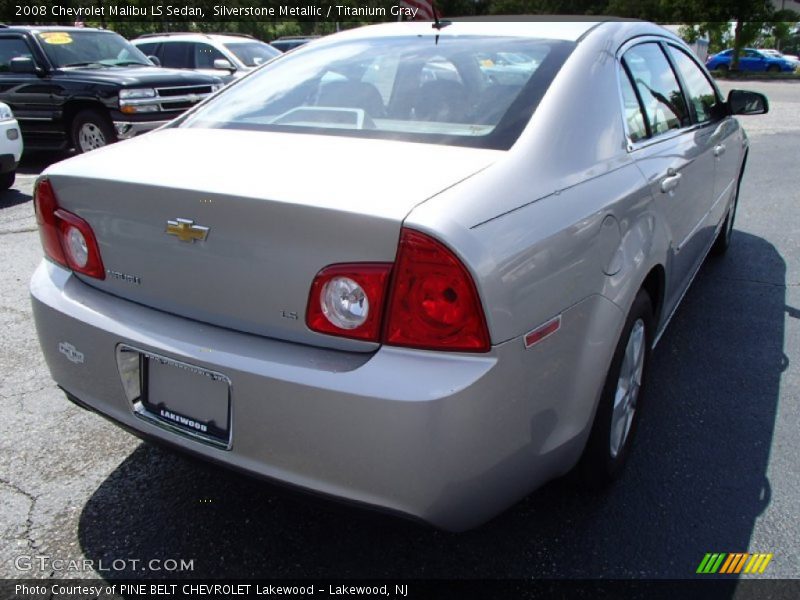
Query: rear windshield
x,y
472,91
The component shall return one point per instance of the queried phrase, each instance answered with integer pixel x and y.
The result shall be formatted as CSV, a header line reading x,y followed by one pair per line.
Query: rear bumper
x,y
451,439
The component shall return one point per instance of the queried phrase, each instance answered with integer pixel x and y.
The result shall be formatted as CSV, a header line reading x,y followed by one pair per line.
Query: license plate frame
x,y
155,406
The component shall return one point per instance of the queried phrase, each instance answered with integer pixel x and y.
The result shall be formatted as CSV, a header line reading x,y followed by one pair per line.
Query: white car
x,y
226,56
778,54
10,146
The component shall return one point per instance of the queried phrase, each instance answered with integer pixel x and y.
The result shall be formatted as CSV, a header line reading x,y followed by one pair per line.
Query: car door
x,y
724,134
32,96
676,159
750,60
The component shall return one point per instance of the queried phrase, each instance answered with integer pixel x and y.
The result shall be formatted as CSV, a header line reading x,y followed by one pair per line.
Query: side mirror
x,y
742,102
155,60
22,64
223,64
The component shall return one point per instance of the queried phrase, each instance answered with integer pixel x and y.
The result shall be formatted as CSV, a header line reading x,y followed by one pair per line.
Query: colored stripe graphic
x,y
734,563
725,563
758,563
728,562
711,563
740,564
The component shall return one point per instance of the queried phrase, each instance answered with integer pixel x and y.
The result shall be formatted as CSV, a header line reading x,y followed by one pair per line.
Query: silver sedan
x,y
395,267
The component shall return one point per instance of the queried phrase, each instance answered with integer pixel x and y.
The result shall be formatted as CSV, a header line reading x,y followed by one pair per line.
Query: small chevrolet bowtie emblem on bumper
x,y
186,230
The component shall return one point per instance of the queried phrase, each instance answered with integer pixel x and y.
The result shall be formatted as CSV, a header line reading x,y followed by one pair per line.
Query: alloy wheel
x,y
628,386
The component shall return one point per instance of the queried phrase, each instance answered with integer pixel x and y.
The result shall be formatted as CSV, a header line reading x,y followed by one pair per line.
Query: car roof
x,y
558,28
220,37
37,28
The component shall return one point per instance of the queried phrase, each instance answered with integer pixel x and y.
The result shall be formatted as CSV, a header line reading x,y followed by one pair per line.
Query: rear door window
x,y
664,104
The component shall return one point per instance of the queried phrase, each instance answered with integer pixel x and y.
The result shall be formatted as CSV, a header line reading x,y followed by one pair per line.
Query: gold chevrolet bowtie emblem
x,y
186,230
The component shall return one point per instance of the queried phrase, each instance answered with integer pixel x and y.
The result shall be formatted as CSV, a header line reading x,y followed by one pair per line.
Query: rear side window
x,y
658,88
634,119
702,96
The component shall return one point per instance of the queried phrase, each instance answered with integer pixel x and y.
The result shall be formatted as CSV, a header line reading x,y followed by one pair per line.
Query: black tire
x,y
91,129
724,235
600,465
724,68
773,69
7,180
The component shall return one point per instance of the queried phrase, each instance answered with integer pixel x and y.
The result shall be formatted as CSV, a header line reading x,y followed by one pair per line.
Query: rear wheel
x,y
620,403
92,129
7,180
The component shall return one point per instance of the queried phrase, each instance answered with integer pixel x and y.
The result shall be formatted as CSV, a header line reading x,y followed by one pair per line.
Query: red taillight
x,y
347,300
45,205
433,301
67,239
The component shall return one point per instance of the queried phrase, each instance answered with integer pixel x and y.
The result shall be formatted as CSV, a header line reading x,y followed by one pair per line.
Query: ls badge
x,y
186,230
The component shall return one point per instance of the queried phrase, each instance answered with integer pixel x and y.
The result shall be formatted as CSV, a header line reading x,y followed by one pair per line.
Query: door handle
x,y
719,150
670,182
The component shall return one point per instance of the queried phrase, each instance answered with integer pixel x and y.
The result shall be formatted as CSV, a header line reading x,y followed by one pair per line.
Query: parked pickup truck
x,y
84,88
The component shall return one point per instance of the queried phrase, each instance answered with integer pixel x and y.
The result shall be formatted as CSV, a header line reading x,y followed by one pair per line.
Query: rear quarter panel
x,y
565,223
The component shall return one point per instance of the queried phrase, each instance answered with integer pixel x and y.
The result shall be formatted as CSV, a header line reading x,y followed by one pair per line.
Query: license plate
x,y
186,399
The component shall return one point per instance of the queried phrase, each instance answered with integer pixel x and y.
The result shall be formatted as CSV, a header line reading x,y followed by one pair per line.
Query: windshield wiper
x,y
130,63
85,64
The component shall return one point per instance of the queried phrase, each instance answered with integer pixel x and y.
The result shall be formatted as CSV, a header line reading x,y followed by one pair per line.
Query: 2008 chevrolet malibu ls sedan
x,y
394,266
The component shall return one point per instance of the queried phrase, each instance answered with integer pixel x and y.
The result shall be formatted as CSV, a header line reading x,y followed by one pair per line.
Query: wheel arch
x,y
655,283
74,107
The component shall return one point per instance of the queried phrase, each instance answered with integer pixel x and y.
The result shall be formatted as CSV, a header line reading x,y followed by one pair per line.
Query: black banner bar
x,y
701,588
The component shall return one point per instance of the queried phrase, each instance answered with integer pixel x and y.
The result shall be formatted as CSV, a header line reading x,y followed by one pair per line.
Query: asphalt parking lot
x,y
716,467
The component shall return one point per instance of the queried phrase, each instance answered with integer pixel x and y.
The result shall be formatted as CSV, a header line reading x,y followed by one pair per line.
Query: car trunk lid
x,y
278,208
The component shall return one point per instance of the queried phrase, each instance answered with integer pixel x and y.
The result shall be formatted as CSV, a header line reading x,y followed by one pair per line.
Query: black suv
x,y
84,87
